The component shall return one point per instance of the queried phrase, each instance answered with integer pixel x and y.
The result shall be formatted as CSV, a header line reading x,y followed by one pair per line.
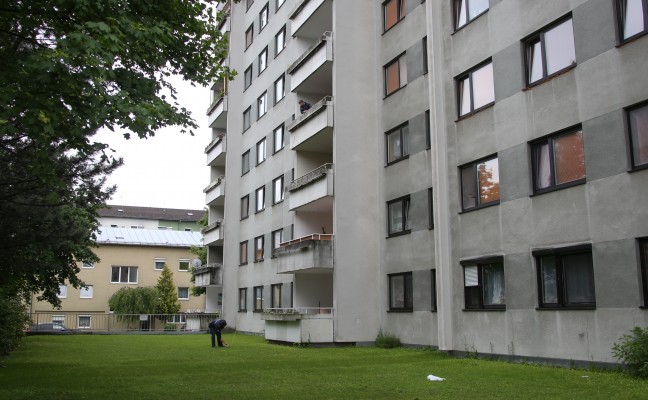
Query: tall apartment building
x,y
471,174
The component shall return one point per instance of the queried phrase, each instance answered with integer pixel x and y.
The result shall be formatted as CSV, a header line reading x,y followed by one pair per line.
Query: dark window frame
x,y
459,86
619,7
402,130
245,166
279,50
261,143
248,4
243,296
248,112
272,295
244,261
278,5
272,238
481,264
408,292
249,31
258,258
275,150
400,13
561,285
263,96
642,244
633,166
247,74
267,10
282,78
258,290
256,199
267,60
455,16
549,140
433,290
474,164
245,211
401,85
430,208
283,191
406,205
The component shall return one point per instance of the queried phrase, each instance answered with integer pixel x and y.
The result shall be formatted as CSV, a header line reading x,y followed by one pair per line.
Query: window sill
x,y
405,157
631,39
259,211
244,310
549,77
395,234
397,310
477,111
569,308
559,187
481,207
484,309
258,261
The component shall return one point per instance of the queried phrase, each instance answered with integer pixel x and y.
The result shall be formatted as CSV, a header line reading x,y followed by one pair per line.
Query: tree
x,y
167,293
67,69
138,300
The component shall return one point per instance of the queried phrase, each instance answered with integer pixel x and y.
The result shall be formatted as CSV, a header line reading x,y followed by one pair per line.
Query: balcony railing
x,y
213,184
212,226
214,142
311,17
310,113
316,174
326,36
312,252
208,275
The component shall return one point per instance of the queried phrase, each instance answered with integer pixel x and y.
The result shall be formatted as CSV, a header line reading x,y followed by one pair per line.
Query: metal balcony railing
x,y
212,226
326,36
314,175
214,184
315,109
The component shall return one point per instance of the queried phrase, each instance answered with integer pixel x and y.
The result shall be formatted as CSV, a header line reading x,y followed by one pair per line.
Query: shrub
x,y
632,351
13,321
169,327
386,341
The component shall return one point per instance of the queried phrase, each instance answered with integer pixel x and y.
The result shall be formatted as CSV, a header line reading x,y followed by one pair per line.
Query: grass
x,y
185,366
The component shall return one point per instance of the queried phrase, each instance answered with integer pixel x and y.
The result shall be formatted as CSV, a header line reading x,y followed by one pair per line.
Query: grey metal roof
x,y
148,237
173,214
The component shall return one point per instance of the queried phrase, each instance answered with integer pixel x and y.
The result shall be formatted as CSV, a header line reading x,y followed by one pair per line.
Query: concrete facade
x,y
405,239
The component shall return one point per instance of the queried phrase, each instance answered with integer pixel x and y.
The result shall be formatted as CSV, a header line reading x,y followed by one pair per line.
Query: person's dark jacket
x,y
218,324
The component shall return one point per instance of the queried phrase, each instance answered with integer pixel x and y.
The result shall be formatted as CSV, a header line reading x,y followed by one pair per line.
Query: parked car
x,y
48,328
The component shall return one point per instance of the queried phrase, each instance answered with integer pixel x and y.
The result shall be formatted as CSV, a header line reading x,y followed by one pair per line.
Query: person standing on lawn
x,y
216,327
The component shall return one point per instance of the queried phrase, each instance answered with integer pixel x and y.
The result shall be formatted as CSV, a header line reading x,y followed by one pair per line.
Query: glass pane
x,y
408,291
279,90
278,139
132,274
406,212
639,133
278,238
579,278
402,75
258,249
391,13
242,295
549,282
541,166
483,88
471,276
559,47
278,190
405,137
276,296
477,7
468,187
633,18
493,277
464,96
395,217
392,77
397,294
243,252
534,58
460,13
115,274
260,199
488,181
569,157
124,274
394,148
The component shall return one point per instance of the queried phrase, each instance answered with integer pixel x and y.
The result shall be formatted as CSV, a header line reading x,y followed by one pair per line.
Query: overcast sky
x,y
168,170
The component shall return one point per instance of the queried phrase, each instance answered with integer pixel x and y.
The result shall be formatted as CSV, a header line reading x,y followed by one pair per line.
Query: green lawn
x,y
186,367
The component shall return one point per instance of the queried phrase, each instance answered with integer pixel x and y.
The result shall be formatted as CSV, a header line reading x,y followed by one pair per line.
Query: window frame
x,y
430,193
402,131
274,190
549,141
561,286
262,105
182,261
474,165
642,246
258,298
84,326
456,11
274,243
433,290
468,76
539,37
275,299
259,251
245,162
258,209
128,282
281,33
480,264
262,25
88,290
633,166
157,261
261,151
242,300
400,13
247,113
183,288
248,4
401,75
408,292
281,79
249,32
247,77
263,55
62,291
619,8
245,207
275,141
243,253
406,220
278,4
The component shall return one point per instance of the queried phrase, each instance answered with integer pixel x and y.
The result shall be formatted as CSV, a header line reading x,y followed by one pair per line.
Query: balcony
x,y
208,275
213,233
312,192
216,151
313,130
313,71
299,325
312,17
215,192
308,254
217,113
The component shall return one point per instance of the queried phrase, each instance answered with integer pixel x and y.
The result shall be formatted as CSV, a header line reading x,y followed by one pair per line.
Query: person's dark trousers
x,y
212,331
220,341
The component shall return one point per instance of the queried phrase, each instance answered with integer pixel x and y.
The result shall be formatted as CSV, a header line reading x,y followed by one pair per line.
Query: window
x,y
62,292
476,89
632,15
245,163
638,127
275,295
176,318
247,77
261,151
86,292
278,135
433,289
259,199
395,75
397,144
243,252
58,319
467,10
183,264
159,264
430,208
88,264
84,321
249,36
263,60
425,58
258,248
565,277
280,40
262,105
245,206
393,11
279,3
480,184
183,293
277,238
400,292
124,275
248,4
279,89
278,190
263,17
484,285
550,52
558,161
258,298
643,260
247,119
398,216
428,137
243,299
